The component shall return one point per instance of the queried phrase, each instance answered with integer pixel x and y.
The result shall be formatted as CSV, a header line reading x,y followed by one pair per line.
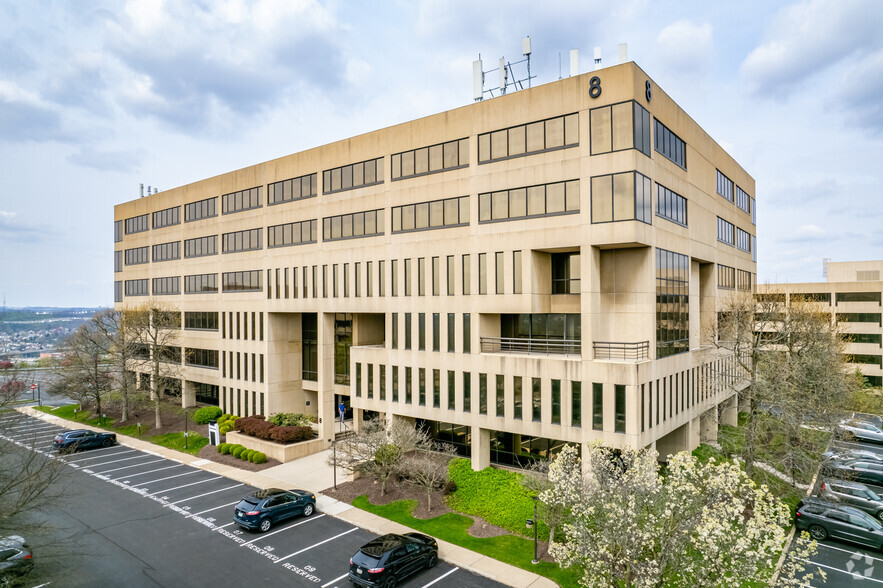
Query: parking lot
x,y
312,551
847,564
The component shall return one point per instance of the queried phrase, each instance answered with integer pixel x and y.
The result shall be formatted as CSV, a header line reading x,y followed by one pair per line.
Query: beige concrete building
x,y
514,274
852,295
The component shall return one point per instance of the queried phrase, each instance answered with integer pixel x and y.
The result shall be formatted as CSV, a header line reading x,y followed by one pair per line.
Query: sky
x,y
99,97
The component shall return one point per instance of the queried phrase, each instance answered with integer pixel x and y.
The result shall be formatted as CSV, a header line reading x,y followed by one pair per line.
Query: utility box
x,y
214,434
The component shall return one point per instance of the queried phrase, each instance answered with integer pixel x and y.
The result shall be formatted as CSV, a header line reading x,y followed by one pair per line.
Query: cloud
x,y
25,117
11,226
685,47
807,38
859,95
108,160
806,233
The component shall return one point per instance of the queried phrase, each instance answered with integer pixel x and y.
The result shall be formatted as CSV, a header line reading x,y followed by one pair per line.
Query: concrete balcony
x,y
620,351
527,346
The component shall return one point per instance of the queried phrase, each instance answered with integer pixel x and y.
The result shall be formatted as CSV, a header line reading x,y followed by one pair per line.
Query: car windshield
x,y
365,560
246,504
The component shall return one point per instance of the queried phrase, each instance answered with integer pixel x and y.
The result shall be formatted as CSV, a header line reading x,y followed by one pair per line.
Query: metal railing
x,y
531,346
622,351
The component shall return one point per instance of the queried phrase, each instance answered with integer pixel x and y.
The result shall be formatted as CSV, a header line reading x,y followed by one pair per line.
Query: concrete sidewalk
x,y
313,473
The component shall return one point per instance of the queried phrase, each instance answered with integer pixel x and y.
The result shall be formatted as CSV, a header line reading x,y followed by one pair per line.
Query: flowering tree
x,y
699,525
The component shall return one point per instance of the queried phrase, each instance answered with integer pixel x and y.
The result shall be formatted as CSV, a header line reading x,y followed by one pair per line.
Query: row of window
x,y
672,303
435,214
235,401
241,200
531,201
293,189
743,200
166,218
544,135
248,240
429,160
624,196
354,175
620,126
353,225
235,366
299,233
235,325
451,327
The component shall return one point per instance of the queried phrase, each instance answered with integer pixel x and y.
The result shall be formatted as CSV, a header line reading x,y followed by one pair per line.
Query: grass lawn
x,y
175,441
453,528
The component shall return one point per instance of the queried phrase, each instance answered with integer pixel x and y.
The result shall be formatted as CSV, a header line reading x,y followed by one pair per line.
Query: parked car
x,y
16,558
824,519
83,439
874,419
854,429
852,454
391,558
860,470
262,509
852,494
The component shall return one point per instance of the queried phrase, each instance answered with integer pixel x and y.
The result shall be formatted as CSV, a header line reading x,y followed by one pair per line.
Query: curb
x,y
461,557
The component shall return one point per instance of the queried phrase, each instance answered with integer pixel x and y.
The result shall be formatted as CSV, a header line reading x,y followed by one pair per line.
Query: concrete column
x,y
693,434
481,448
730,413
708,426
325,356
188,393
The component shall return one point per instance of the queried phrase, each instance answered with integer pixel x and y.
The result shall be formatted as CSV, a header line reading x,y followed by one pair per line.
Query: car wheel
x,y
265,525
389,582
433,559
818,533
880,515
308,510
107,443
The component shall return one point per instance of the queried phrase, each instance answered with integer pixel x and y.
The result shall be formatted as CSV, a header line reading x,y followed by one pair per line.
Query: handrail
x,y
531,346
621,350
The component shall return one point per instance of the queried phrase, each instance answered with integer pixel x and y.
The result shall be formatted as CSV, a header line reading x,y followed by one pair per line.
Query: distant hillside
x,y
15,320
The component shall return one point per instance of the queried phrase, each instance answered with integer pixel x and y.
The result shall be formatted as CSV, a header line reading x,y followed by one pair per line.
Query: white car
x,y
859,431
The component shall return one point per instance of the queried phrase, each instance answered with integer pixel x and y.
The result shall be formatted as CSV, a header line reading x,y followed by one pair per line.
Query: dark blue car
x,y
264,508
83,439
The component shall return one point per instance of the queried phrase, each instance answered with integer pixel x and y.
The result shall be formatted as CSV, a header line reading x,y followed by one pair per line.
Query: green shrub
x,y
221,447
206,414
495,495
237,450
258,457
246,455
291,419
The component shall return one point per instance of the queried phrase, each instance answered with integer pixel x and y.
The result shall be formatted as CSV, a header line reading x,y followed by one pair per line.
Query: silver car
x,y
852,454
853,494
859,431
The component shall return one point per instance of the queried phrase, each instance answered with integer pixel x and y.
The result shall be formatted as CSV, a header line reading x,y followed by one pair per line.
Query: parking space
x,y
313,551
844,563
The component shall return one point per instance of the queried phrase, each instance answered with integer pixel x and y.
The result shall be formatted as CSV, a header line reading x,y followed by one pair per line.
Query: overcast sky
x,y
98,97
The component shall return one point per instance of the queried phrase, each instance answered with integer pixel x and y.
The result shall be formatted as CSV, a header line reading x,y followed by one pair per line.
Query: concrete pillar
x,y
694,438
708,426
481,448
730,412
325,359
188,393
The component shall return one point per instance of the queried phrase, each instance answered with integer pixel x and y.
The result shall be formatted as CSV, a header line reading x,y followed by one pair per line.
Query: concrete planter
x,y
277,451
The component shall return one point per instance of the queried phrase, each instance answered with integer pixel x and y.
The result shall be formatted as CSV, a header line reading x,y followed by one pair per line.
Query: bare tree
x,y
790,362
85,373
154,328
427,469
377,450
118,329
13,382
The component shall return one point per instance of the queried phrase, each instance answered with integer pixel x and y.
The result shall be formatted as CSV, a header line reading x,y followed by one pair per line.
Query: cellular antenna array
x,y
505,71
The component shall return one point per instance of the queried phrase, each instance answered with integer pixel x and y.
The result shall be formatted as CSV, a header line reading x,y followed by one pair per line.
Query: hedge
x,y
291,434
221,447
291,419
237,450
258,457
206,414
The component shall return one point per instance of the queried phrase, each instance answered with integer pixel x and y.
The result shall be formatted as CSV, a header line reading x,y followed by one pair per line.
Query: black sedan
x,y
390,558
859,470
264,508
83,439
827,519
15,558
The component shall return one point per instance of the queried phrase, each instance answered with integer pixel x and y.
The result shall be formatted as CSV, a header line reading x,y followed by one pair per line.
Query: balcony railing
x,y
622,351
530,346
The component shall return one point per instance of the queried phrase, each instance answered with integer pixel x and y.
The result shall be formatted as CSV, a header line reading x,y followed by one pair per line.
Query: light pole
x,y
534,522
334,459
185,428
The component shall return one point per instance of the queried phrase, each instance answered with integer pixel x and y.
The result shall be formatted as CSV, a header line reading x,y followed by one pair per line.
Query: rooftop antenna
x,y
623,52
597,58
506,71
825,263
142,190
574,62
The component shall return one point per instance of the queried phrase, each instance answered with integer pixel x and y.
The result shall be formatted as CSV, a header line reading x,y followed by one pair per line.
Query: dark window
x,y
724,186
858,297
556,402
671,205
248,281
482,393
598,407
672,303
528,202
619,405
207,358
200,283
430,160
167,217
622,197
670,145
565,273
289,234
436,214
207,321
516,395
293,189
203,209
576,404
352,226
242,200
201,246
544,135
354,175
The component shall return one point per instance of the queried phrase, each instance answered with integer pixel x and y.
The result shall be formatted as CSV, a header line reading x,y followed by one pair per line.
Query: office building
x,y
514,274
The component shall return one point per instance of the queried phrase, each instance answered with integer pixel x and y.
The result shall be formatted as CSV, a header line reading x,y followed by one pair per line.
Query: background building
x,y
514,274
852,295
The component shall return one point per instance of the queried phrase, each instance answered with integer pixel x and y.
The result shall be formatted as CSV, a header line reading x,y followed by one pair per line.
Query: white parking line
x,y
211,509
440,577
206,494
184,486
128,466
98,465
150,472
316,544
168,478
849,551
285,529
227,525
94,451
325,585
853,574
33,429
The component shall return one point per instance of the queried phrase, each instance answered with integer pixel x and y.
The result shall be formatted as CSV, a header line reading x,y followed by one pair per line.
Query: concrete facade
x,y
531,235
852,294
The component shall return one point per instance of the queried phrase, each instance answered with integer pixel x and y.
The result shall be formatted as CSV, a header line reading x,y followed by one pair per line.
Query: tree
x,y
427,469
153,328
790,362
701,525
377,450
118,329
85,373
535,478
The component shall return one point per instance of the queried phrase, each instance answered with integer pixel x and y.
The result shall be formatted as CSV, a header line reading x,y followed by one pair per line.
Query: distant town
x,y
34,332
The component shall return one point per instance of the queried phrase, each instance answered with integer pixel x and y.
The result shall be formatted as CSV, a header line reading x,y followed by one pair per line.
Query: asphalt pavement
x,y
181,507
